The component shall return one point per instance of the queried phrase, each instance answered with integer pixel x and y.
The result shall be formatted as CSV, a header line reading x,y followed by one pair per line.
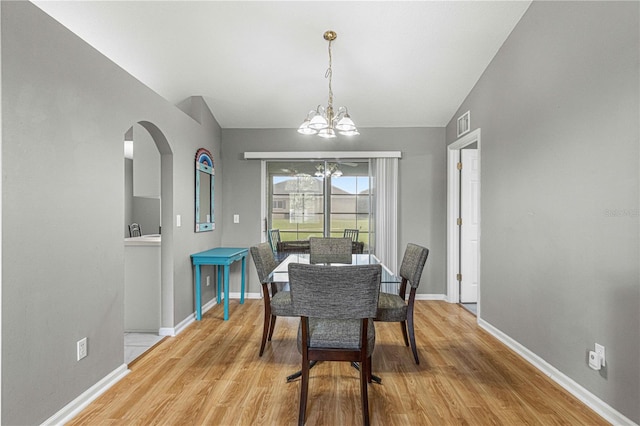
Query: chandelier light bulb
x,y
318,122
332,170
351,133
305,129
345,124
327,133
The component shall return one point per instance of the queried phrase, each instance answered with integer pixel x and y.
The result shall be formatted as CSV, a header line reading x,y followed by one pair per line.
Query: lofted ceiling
x,y
261,64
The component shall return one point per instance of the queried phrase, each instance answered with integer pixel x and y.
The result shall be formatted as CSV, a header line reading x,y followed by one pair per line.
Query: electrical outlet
x,y
600,351
81,347
208,280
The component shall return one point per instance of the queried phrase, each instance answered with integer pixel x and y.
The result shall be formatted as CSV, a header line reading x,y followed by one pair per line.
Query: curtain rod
x,y
288,155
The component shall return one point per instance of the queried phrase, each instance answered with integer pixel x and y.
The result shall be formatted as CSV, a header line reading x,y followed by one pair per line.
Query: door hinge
x,y
459,277
459,165
459,221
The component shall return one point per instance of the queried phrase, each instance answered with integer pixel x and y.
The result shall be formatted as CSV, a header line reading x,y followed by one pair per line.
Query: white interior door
x,y
469,212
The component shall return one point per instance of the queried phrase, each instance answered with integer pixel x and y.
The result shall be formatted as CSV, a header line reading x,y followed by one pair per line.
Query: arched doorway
x,y
157,211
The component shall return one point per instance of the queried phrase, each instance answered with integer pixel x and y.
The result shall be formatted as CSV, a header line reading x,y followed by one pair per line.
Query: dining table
x,y
280,274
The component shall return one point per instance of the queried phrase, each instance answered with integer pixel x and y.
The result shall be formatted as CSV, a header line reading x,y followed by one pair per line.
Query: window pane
x,y
343,203
296,198
344,185
362,204
342,221
289,184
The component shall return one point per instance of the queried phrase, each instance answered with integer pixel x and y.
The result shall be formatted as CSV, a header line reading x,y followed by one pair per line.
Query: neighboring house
x,y
558,109
290,196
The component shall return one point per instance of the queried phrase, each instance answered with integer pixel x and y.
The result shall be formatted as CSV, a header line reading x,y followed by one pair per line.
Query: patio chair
x,y
352,234
274,239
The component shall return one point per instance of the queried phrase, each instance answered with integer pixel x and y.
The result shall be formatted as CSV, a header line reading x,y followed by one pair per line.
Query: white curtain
x,y
385,218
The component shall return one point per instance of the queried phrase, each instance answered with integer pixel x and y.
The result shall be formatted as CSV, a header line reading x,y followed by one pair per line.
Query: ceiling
x,y
262,64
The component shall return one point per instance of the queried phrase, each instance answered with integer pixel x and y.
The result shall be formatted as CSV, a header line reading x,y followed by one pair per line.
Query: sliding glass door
x,y
319,198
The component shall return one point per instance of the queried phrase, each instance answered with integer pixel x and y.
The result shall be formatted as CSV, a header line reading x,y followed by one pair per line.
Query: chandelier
x,y
325,121
331,170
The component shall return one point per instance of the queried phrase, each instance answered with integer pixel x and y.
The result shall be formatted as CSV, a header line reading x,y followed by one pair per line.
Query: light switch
x,y
236,218
178,221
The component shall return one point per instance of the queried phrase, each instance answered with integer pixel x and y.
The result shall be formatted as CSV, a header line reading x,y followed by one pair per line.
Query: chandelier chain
x,y
329,74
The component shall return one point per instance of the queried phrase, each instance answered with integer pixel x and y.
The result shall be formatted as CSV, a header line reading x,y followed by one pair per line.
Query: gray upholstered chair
x,y
393,307
336,305
276,303
352,234
329,250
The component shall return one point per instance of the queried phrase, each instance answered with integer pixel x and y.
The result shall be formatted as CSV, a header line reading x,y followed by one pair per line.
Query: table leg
x,y
219,283
374,378
244,261
198,295
226,292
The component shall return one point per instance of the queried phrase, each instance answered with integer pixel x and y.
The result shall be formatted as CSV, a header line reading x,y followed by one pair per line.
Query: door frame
x,y
453,209
167,298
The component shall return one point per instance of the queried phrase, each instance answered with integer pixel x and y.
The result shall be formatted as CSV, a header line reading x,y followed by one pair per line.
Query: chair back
x,y
135,230
274,239
352,234
329,250
415,257
263,259
335,292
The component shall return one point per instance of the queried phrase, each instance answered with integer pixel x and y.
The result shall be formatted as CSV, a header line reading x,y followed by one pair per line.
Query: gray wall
x,y
558,109
65,109
128,196
146,212
146,164
422,182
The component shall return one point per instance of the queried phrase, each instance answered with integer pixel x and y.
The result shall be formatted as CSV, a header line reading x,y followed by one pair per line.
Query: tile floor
x,y
135,344
471,307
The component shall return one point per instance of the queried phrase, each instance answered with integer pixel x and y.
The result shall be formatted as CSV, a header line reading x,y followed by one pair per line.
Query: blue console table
x,y
220,256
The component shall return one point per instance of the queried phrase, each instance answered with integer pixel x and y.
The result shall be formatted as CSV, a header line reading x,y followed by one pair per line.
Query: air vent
x,y
464,123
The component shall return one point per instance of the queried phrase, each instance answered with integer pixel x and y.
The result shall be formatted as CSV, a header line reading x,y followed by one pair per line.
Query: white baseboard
x,y
589,399
174,331
246,295
73,408
431,297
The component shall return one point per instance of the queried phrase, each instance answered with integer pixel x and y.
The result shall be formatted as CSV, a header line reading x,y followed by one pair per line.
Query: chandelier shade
x,y
324,121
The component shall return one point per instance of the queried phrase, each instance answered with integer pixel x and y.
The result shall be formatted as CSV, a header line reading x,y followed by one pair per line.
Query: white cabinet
x,y
142,284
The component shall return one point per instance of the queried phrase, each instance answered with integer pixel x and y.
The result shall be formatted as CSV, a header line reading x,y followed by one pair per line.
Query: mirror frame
x,y
204,163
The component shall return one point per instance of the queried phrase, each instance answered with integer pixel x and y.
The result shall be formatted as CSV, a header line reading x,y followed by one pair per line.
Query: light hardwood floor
x,y
211,375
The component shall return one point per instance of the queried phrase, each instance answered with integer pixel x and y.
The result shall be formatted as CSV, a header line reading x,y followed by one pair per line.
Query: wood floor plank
x,y
211,374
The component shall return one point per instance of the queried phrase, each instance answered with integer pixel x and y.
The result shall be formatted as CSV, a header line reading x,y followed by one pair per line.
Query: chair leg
x,y
366,368
304,391
364,390
403,325
273,324
412,338
265,329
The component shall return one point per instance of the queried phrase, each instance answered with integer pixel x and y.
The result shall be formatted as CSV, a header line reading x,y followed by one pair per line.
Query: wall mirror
x,y
205,174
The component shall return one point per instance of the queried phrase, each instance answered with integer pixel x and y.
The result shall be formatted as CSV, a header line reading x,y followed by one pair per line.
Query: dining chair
x,y
276,302
352,234
274,239
135,230
329,250
336,305
393,307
